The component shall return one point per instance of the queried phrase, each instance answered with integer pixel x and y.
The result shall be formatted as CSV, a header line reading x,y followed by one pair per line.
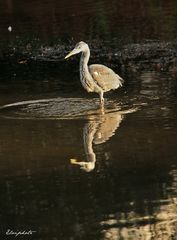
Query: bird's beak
x,y
73,52
77,162
74,161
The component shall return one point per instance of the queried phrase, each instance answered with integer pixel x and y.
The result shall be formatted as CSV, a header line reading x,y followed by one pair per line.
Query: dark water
x,y
68,170
127,20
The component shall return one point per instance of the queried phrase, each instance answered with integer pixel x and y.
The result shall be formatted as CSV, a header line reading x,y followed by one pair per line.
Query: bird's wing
x,y
105,77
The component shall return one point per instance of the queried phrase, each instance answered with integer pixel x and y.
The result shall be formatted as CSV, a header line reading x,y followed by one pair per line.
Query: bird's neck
x,y
84,60
85,76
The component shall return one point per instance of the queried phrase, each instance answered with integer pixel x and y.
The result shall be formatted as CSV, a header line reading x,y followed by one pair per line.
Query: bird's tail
x,y
121,81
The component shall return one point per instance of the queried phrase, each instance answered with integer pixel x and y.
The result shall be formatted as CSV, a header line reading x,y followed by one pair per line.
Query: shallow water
x,y
68,169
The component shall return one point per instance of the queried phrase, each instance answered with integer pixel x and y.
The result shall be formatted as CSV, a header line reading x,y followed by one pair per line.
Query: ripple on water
x,y
60,108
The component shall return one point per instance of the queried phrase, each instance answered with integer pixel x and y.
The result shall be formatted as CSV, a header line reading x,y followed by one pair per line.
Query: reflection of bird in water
x,y
88,136
98,130
96,77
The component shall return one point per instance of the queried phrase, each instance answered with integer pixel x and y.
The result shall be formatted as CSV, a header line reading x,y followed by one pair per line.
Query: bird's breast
x,y
86,81
86,84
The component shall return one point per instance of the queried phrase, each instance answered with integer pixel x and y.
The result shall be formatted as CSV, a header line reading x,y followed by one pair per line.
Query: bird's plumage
x,y
105,77
95,78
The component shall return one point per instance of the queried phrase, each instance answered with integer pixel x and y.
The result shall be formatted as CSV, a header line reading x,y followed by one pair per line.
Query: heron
x,y
96,77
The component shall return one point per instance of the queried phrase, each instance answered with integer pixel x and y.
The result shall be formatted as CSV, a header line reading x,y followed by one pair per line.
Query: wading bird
x,y
96,77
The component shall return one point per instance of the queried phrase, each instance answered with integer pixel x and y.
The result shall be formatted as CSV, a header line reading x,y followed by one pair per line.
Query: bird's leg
x,y
102,103
101,99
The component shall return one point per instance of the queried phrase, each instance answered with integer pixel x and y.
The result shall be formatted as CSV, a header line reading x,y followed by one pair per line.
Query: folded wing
x,y
105,77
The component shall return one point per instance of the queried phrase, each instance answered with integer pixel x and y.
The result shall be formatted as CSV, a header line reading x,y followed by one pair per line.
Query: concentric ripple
x,y
59,108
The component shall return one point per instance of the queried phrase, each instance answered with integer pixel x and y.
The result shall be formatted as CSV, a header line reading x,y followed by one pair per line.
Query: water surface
x,y
69,170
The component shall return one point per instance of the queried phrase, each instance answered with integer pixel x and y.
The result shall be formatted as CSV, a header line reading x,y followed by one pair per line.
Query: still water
x,y
69,170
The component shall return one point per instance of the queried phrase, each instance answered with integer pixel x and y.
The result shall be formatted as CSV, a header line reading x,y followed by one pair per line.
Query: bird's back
x,y
105,77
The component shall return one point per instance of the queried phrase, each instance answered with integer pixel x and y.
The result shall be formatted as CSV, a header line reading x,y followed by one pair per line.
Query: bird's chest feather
x,y
86,80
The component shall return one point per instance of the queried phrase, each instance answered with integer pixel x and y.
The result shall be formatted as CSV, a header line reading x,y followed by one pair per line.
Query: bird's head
x,y
86,166
80,47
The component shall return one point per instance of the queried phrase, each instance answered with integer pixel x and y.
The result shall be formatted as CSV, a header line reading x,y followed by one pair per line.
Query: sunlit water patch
x,y
159,223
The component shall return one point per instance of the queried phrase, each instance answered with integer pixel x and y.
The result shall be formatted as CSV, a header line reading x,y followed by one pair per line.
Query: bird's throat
x,y
84,72
85,77
84,60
